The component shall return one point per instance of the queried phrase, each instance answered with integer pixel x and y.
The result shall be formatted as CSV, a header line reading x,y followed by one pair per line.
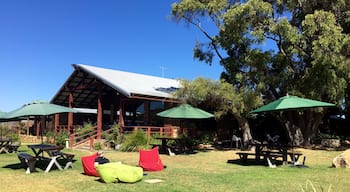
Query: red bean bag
x,y
88,165
150,160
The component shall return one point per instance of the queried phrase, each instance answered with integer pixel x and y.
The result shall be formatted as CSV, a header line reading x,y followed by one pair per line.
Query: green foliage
x,y
85,130
97,146
135,141
308,48
50,135
206,138
222,99
219,97
189,143
9,133
15,137
307,54
3,129
115,135
153,140
60,138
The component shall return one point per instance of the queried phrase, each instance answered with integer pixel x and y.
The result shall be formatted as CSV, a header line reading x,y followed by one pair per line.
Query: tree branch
x,y
213,42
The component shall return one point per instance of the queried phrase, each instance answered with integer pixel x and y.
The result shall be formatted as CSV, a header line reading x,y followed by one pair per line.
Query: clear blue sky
x,y
40,39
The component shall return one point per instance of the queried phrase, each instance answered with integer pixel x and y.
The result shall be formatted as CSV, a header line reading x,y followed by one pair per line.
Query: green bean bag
x,y
113,172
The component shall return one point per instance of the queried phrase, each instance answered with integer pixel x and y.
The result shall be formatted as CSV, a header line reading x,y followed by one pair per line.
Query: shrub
x,y
135,141
50,135
60,138
97,146
15,137
85,130
114,136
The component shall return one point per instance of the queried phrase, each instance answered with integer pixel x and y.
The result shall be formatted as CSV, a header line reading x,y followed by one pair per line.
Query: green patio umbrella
x,y
2,116
185,111
38,108
291,102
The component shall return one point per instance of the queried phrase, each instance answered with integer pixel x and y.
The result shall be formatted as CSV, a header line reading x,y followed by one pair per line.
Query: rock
x,y
333,143
342,160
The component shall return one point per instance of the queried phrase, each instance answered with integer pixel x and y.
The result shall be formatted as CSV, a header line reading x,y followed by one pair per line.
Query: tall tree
x,y
221,98
277,47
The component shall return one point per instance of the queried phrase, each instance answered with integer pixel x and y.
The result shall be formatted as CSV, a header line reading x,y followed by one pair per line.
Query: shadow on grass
x,y
246,162
41,164
253,162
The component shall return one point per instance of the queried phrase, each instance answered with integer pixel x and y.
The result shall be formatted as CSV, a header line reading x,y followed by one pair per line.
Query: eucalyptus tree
x,y
221,98
277,47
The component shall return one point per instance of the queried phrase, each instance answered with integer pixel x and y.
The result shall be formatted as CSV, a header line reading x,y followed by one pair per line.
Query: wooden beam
x,y
150,98
57,122
99,112
70,114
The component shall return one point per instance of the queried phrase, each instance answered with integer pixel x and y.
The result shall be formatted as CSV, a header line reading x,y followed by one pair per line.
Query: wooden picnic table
x,y
165,143
5,145
265,150
54,153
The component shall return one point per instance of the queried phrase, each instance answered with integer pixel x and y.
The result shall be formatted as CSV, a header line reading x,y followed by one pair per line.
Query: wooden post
x,y
70,114
91,143
121,115
147,109
27,125
71,141
38,122
99,112
57,122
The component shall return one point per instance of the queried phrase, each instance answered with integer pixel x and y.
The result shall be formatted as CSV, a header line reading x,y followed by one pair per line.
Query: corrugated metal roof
x,y
85,81
129,83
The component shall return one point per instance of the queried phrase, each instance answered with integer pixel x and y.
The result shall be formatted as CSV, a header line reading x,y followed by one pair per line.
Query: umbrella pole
x,y
293,158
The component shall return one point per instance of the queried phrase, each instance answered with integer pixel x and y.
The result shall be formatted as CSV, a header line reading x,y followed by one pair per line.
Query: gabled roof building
x,y
114,94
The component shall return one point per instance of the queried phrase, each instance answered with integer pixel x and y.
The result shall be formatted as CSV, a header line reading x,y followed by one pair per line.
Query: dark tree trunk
x,y
301,126
246,134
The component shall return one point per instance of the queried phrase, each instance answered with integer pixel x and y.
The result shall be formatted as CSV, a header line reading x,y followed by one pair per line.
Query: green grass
x,y
200,172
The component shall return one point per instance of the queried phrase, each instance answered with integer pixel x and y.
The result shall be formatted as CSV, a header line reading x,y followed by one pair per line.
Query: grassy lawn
x,y
203,171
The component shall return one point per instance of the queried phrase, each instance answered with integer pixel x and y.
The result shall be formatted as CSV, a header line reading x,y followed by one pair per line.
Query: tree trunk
x,y
246,134
301,126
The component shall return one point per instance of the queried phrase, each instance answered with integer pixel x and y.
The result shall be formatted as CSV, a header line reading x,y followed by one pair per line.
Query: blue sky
x,y
40,39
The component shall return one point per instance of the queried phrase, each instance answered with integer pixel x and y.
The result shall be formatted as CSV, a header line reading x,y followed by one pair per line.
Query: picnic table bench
x,y
69,159
243,156
4,144
55,155
28,161
13,147
294,156
273,155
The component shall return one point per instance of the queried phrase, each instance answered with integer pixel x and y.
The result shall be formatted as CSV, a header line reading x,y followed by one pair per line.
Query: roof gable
x,y
129,83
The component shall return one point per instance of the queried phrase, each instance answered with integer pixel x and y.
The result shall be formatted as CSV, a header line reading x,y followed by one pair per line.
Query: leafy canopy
x,y
219,97
275,47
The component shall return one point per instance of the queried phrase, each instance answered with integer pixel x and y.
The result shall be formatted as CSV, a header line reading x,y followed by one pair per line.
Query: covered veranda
x,y
128,99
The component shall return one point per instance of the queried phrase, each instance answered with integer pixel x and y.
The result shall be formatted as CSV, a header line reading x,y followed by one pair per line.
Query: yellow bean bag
x,y
114,172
